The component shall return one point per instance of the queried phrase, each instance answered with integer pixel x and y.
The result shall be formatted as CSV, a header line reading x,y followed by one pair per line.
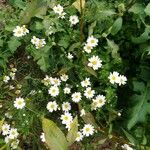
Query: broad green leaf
x,y
72,133
74,46
13,44
137,9
114,49
130,137
138,86
77,4
116,27
141,107
143,37
55,139
147,9
91,71
34,8
91,28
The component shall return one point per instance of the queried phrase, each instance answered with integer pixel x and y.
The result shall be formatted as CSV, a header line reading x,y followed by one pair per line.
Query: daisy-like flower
x,y
64,77
66,118
95,62
19,103
79,137
89,93
13,133
86,82
40,44
6,79
53,91
88,130
58,9
62,15
42,137
70,56
14,144
126,147
55,81
5,129
7,139
18,31
35,40
52,106
92,41
74,20
76,97
87,48
114,77
98,102
67,90
25,30
47,80
82,112
66,106
123,80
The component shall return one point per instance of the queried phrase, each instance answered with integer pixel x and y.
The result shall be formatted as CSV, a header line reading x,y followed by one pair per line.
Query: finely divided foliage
x,y
74,74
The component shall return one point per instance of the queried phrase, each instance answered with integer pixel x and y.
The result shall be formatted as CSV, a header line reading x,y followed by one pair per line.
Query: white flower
x,y
74,20
126,147
89,93
6,79
14,144
25,30
79,136
55,81
58,9
95,62
76,97
122,80
98,102
66,106
35,40
62,15
7,139
19,103
47,80
114,77
67,90
64,77
5,129
13,69
52,106
18,31
86,82
13,133
87,48
40,44
42,137
70,56
53,91
11,87
92,41
82,112
12,75
88,130
66,118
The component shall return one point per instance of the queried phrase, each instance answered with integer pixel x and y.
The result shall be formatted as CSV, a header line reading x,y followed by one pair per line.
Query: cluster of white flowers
x,y
90,44
19,103
39,43
126,147
98,102
20,31
11,135
58,9
12,74
74,20
115,77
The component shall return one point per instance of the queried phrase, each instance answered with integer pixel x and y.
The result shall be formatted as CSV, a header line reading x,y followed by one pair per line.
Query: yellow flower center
x,y
87,129
94,62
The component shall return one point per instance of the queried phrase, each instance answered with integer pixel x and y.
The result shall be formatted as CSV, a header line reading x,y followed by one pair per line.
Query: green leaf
x,y
91,28
13,44
1,123
147,9
91,71
116,27
72,133
55,139
77,4
34,8
137,9
141,107
114,49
